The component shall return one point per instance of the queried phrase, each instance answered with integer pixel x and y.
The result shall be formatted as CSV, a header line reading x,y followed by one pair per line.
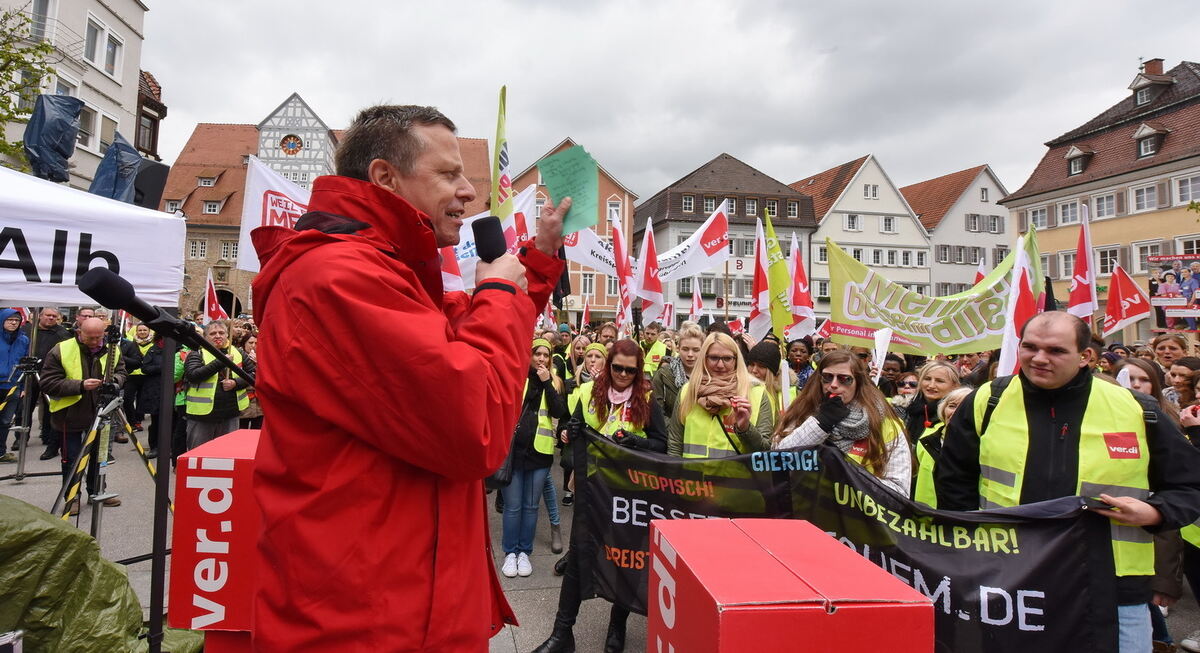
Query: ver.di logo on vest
x,y
1122,445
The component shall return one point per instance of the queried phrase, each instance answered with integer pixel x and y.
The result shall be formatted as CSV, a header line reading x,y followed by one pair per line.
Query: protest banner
x,y
705,249
863,300
1172,284
270,200
1017,579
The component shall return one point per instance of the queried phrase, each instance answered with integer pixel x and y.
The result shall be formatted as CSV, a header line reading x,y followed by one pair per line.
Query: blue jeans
x,y
1133,622
550,494
1158,625
521,499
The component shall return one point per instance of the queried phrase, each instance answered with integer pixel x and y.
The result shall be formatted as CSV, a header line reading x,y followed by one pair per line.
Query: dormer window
x,y
1143,96
1149,137
1147,146
1077,158
207,181
1075,166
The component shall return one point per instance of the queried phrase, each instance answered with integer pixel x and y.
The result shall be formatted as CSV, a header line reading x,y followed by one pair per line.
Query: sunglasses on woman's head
x,y
621,369
843,379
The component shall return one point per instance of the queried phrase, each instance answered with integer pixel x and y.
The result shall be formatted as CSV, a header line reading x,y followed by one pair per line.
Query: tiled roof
x,y
147,85
826,187
933,198
213,150
1186,86
1116,152
724,174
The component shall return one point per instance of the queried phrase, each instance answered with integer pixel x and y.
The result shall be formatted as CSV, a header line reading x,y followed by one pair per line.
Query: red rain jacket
x,y
386,403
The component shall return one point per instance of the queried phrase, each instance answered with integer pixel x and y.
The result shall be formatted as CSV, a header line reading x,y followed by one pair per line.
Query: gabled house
x,y
965,224
1136,167
680,208
616,202
858,207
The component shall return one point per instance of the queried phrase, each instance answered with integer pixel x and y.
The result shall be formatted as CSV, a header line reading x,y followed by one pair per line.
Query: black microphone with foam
x,y
112,291
489,238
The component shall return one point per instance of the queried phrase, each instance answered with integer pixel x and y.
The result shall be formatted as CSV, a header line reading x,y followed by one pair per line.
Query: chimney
x,y
1153,67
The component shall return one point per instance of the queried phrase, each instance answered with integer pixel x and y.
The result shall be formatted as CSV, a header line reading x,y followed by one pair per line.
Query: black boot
x,y
562,640
614,642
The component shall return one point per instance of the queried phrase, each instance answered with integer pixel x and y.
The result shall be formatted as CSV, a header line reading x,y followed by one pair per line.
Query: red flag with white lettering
x,y
760,294
697,302
586,318
212,305
649,287
804,318
735,326
824,331
1126,302
624,276
1083,302
981,271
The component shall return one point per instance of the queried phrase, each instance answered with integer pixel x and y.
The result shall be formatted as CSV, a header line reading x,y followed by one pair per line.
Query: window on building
x,y
972,222
1066,265
822,288
212,208
108,132
995,224
103,48
822,254
229,250
65,87
1068,213
751,207
91,43
587,284
793,209
197,249
689,203
876,257
1001,252
773,208
1106,260
1144,252
921,256
960,256
614,211
747,247
1143,96
857,253
1075,166
112,55
983,194
147,126
1145,198
943,253
1189,189
891,257
1105,206
1045,263
974,255
906,258
173,206
1037,218
1147,146
206,181
871,191
86,137
537,208
685,286
852,223
610,286
731,203
887,224
706,285
710,204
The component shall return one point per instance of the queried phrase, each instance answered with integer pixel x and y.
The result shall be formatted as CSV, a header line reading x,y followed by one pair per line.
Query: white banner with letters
x,y
50,235
270,200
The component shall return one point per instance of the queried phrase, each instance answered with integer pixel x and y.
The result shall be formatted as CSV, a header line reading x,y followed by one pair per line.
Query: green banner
x,y
863,300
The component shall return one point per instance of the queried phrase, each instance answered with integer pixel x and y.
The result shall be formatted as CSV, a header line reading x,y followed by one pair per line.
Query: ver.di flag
x,y
760,293
1126,302
624,276
1082,302
648,285
705,249
804,318
212,304
1024,300
270,200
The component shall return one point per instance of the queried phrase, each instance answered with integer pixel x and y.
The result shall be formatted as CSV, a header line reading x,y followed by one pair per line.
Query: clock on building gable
x,y
291,144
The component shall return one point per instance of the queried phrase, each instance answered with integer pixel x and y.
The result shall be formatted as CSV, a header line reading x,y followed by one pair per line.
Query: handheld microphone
x,y
489,238
110,290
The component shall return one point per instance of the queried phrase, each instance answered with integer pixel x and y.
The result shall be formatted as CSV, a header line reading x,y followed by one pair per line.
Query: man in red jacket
x,y
375,441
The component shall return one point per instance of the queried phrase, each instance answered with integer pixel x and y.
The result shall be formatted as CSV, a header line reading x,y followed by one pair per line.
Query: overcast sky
x,y
655,89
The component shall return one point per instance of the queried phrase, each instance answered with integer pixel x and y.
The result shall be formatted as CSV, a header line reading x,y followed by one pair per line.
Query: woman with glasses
x,y
842,408
723,410
937,378
532,455
617,405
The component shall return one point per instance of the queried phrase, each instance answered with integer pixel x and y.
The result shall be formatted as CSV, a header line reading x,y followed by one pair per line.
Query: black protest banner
x,y
1031,578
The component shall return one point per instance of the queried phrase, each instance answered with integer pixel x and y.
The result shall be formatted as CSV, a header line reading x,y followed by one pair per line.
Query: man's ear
x,y
383,174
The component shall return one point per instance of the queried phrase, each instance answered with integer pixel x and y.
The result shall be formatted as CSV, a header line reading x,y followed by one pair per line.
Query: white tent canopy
x,y
51,234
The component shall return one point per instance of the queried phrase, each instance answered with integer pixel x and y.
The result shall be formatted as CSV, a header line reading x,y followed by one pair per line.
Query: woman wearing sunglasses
x,y
937,379
723,410
616,404
841,407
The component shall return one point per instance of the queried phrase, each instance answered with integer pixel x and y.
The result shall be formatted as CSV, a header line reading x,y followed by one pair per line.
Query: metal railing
x,y
52,30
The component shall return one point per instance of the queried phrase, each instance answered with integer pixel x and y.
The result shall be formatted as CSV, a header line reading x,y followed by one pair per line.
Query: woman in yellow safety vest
x,y
532,455
135,411
929,447
723,410
763,363
843,408
215,396
616,404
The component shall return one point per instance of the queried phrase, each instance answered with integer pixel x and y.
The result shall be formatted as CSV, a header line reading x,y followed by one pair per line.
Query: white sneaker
x,y
509,568
523,566
1191,642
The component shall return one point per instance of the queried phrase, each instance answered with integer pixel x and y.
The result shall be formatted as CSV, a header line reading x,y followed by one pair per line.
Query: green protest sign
x,y
573,173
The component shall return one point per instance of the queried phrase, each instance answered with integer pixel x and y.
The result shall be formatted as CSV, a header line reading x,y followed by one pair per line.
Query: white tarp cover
x,y
51,234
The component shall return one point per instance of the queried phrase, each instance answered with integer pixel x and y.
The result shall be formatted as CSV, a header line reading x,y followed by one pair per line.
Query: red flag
x,y
735,326
1022,305
803,316
824,331
981,271
624,277
760,294
668,315
1083,302
212,305
1126,302
648,286
697,302
586,318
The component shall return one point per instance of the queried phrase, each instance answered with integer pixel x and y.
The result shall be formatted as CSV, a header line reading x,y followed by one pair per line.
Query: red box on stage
x,y
774,585
215,535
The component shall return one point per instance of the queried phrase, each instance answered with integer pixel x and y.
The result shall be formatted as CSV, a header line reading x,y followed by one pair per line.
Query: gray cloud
x,y
654,90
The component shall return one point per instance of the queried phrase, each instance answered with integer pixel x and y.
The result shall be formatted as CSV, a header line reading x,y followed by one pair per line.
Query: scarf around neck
x,y
855,427
714,392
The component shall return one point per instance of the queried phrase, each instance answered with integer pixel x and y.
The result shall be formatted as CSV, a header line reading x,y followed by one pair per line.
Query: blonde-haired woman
x,y
935,380
843,408
722,411
929,447
675,370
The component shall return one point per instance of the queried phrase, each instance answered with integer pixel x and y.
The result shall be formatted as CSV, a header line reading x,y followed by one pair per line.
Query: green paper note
x,y
573,173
